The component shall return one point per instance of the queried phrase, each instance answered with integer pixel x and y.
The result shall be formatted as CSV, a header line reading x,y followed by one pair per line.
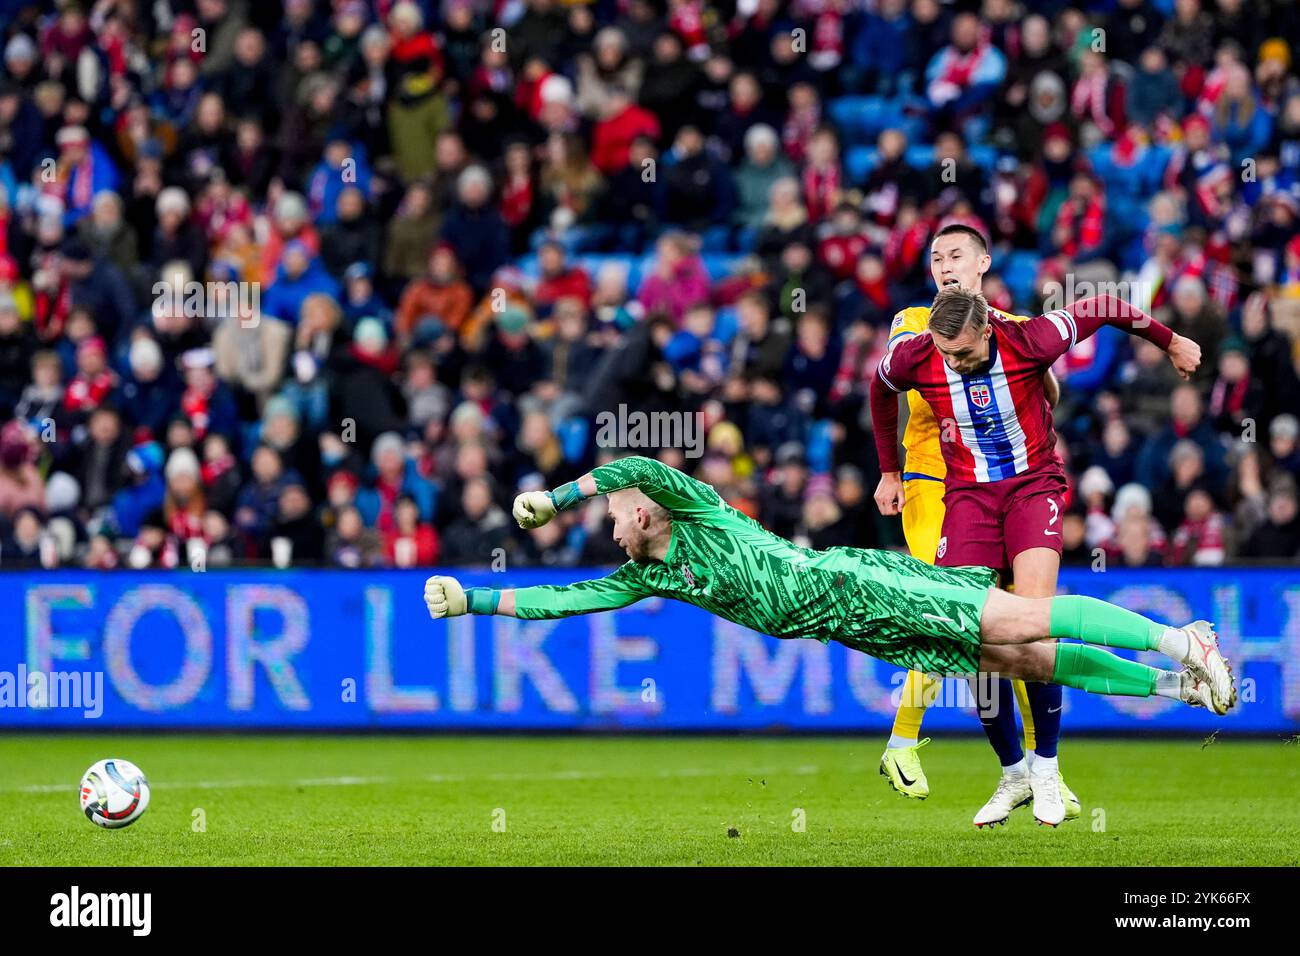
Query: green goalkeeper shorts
x,y
916,615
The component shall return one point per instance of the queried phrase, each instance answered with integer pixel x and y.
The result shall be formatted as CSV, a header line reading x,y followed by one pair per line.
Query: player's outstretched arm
x,y
676,491
445,597
1088,315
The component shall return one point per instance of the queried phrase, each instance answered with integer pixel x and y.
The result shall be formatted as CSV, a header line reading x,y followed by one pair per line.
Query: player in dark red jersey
x,y
983,377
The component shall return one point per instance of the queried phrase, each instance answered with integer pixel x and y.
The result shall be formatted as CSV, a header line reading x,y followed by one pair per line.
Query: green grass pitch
x,y
395,800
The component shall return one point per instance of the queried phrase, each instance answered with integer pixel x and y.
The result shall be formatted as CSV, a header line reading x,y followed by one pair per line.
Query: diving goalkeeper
x,y
685,542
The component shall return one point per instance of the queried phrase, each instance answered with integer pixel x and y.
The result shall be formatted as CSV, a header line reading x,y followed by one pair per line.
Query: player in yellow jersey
x,y
959,257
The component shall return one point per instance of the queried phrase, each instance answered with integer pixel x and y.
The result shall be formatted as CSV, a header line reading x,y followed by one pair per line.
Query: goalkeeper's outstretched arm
x,y
678,493
446,597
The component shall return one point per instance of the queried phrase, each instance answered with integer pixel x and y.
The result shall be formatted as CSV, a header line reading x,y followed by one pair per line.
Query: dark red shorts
x,y
989,523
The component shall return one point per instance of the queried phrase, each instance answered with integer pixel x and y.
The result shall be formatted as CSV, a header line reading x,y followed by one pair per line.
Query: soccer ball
x,y
114,793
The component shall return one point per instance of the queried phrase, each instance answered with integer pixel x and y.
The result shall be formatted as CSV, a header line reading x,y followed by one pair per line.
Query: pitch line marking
x,y
353,781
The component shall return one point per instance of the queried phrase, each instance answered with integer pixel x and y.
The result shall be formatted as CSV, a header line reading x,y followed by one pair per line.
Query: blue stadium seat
x,y
572,433
984,156
860,118
859,161
1018,270
919,156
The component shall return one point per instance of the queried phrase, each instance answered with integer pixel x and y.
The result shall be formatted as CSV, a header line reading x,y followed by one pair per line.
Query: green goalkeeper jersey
x,y
883,603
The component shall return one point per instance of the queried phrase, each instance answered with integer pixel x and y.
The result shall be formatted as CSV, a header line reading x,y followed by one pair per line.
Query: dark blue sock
x,y
1045,701
999,719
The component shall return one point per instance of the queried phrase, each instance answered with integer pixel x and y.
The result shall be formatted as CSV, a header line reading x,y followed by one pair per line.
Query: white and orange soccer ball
x,y
114,793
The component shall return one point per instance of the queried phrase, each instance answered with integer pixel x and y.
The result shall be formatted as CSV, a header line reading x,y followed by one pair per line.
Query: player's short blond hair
x,y
658,513
955,308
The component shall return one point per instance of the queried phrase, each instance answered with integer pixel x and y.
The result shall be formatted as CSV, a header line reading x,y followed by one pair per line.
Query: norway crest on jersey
x,y
980,395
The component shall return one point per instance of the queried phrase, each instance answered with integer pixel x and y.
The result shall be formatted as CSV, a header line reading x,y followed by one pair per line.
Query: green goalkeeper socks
x,y
1101,672
1096,622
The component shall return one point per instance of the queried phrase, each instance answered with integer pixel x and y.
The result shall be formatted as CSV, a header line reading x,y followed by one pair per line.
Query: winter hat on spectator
x,y
20,49
512,319
144,355
172,199
352,8
145,459
1056,131
289,208
92,344
790,453
1233,343
15,448
819,485
1184,449
384,444
370,335
1095,481
760,134
1132,495
1284,426
472,176
72,136
557,89
1275,49
428,329
849,473
198,358
358,270
278,405
183,461
464,412
74,250
344,477
510,278
62,492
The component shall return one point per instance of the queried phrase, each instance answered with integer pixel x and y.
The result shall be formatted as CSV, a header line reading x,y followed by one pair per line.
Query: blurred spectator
x,y
1279,535
1188,425
1198,540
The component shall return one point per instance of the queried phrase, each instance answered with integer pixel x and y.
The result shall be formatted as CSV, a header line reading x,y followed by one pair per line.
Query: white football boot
x,y
1049,803
1207,664
1013,791
1195,691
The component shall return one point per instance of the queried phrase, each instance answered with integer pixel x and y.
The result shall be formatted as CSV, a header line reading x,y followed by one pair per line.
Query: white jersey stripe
x,y
961,414
883,369
1056,320
1010,420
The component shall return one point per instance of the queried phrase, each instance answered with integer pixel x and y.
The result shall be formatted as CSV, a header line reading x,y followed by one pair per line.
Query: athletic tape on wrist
x,y
566,496
482,600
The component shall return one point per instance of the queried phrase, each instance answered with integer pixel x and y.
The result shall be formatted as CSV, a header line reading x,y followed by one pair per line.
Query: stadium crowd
x,y
353,274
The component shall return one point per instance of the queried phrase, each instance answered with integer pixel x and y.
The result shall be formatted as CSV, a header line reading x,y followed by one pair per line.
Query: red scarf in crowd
x,y
821,187
958,68
195,404
86,393
1085,225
